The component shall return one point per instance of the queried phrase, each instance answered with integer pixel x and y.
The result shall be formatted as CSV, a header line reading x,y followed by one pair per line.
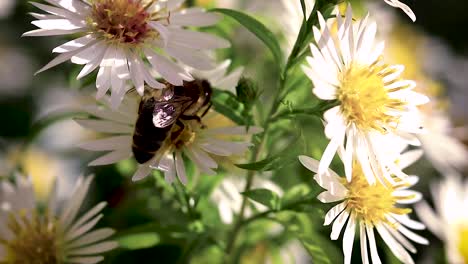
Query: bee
x,y
161,111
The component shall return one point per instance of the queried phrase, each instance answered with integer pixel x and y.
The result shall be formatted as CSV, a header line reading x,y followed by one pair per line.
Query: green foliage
x,y
138,241
258,29
264,196
227,104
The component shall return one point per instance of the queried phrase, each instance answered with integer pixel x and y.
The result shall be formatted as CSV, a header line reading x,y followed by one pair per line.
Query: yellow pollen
x,y
364,98
371,203
122,21
185,137
463,243
34,240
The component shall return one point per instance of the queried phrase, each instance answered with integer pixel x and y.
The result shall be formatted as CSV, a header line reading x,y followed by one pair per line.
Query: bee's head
x,y
205,86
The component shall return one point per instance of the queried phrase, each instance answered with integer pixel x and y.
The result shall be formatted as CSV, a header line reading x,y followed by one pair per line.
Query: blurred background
x,y
434,51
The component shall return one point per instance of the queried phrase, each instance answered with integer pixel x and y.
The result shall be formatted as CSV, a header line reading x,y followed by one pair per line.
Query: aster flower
x,y
27,236
449,222
373,100
405,8
118,36
200,143
370,207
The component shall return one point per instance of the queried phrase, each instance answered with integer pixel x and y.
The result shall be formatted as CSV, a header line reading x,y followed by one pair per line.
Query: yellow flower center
x,y
371,203
122,21
34,241
463,243
364,98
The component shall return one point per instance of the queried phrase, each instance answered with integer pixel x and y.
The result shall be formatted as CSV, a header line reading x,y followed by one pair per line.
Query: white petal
x,y
110,143
405,8
180,168
394,246
363,236
413,236
333,212
330,151
74,44
92,237
95,249
105,126
327,197
190,57
348,239
197,40
198,18
85,260
63,57
142,172
168,69
50,32
111,158
372,245
340,221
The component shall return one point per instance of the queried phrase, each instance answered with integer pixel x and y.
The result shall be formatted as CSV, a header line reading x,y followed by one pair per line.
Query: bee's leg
x,y
193,117
207,109
176,134
198,118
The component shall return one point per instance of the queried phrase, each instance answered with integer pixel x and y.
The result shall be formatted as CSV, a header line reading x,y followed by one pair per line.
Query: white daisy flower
x,y
370,207
27,236
228,196
119,36
445,152
449,221
199,142
405,8
373,99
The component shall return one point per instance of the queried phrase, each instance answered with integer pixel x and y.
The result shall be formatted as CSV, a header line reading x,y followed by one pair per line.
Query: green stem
x,y
278,97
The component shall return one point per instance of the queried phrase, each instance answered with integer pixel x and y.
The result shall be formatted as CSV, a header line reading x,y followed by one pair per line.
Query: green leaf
x,y
295,194
317,110
304,10
264,196
301,226
139,241
258,29
227,104
262,165
315,250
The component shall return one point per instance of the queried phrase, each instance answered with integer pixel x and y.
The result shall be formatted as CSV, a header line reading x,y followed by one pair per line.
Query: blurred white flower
x,y
228,196
347,66
440,145
27,236
116,34
370,207
449,221
42,166
13,83
6,7
292,20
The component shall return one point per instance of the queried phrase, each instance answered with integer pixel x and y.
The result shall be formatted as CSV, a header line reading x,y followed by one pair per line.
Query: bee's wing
x,y
166,113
